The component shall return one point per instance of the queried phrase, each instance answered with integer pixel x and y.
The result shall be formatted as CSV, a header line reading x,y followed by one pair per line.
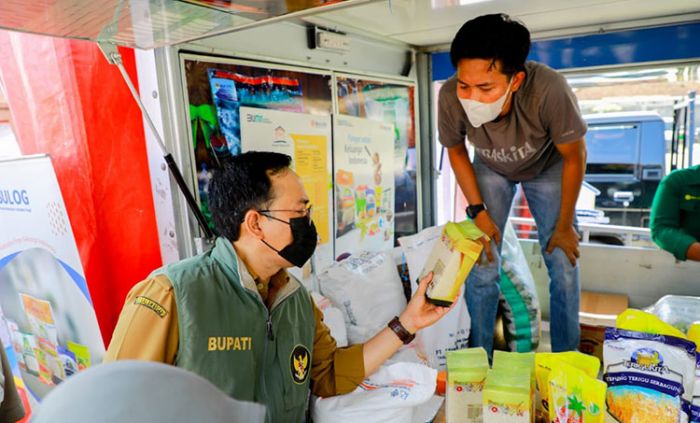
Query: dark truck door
x,y
626,156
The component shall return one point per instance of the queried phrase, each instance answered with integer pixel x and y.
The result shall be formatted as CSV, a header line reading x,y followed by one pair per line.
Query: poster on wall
x,y
307,140
47,321
217,89
363,153
393,104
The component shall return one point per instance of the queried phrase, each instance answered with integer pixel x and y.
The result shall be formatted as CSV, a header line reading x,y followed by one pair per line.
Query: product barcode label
x,y
474,412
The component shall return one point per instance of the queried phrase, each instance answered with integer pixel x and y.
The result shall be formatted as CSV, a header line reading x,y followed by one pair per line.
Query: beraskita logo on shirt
x,y
512,155
299,364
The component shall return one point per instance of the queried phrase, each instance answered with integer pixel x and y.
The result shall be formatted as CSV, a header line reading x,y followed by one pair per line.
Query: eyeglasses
x,y
308,211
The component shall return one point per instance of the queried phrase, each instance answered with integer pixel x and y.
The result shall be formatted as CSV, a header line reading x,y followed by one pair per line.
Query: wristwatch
x,y
474,209
404,335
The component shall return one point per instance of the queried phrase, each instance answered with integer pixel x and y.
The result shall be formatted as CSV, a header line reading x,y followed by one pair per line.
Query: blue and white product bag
x,y
394,393
695,406
650,377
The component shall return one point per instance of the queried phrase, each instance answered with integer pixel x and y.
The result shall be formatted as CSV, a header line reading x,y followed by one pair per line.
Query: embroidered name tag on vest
x,y
230,343
152,305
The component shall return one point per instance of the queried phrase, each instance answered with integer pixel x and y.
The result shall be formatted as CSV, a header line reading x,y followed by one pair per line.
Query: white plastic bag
x,y
392,394
333,318
452,331
367,289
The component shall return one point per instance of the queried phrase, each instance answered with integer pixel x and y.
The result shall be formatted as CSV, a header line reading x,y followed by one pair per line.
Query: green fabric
x,y
675,212
246,363
520,313
203,116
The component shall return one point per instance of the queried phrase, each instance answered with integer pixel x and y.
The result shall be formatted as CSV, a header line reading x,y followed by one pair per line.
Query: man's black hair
x,y
493,37
241,184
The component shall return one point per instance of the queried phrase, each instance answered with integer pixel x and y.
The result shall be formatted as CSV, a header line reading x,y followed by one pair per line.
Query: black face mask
x,y
304,239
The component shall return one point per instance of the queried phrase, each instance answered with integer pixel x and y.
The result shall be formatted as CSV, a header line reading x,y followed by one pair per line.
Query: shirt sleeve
x,y
560,113
451,129
665,224
11,408
334,370
147,328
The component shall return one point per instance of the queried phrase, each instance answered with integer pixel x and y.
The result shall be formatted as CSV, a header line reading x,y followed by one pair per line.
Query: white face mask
x,y
480,113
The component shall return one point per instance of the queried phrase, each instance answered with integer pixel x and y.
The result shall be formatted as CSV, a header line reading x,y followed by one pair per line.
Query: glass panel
x,y
216,91
142,24
392,104
612,144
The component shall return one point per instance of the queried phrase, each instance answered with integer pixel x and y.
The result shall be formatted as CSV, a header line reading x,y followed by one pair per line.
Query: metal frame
x,y
183,56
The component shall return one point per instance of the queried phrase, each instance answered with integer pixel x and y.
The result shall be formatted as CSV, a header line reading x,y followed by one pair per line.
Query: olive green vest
x,y
228,336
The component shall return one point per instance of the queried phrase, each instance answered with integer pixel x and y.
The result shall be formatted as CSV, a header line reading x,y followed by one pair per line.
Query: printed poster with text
x,y
47,322
363,152
307,139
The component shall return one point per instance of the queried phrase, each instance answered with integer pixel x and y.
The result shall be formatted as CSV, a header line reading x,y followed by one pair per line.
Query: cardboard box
x,y
598,311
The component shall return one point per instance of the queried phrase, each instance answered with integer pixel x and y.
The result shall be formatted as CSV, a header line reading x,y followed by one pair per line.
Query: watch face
x,y
473,211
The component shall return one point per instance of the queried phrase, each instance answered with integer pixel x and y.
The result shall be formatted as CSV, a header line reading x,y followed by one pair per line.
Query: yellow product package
x,y
466,374
650,377
545,362
641,321
507,396
574,396
451,260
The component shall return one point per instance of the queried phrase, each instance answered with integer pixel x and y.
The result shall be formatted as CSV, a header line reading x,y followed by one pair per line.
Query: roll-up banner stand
x,y
47,321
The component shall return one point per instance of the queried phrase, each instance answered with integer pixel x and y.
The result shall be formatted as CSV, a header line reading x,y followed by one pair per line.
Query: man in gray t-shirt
x,y
525,125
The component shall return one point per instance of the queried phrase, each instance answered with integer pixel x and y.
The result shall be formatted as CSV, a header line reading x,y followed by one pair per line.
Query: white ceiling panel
x,y
418,23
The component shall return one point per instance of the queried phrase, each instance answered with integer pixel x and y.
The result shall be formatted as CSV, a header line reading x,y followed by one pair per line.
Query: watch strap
x,y
404,335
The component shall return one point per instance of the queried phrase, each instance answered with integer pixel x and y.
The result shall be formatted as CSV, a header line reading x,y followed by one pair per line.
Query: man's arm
x,y
565,236
336,371
665,223
11,408
418,314
466,179
148,326
693,252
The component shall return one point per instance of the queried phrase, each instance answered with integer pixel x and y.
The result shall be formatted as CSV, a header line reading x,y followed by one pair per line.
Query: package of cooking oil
x,y
574,396
641,321
510,360
694,335
451,260
545,361
466,374
650,377
507,396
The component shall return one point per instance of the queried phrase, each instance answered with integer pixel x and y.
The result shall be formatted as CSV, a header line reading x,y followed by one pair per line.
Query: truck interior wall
x,y
282,44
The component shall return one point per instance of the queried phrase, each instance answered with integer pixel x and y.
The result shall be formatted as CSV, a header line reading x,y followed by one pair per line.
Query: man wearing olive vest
x,y
236,317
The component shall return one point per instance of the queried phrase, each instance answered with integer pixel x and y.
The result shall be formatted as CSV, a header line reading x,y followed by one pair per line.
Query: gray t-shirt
x,y
520,145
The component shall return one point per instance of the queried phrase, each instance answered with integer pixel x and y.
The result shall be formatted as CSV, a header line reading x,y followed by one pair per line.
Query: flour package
x,y
695,406
367,289
452,331
333,318
519,302
395,393
450,261
650,377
